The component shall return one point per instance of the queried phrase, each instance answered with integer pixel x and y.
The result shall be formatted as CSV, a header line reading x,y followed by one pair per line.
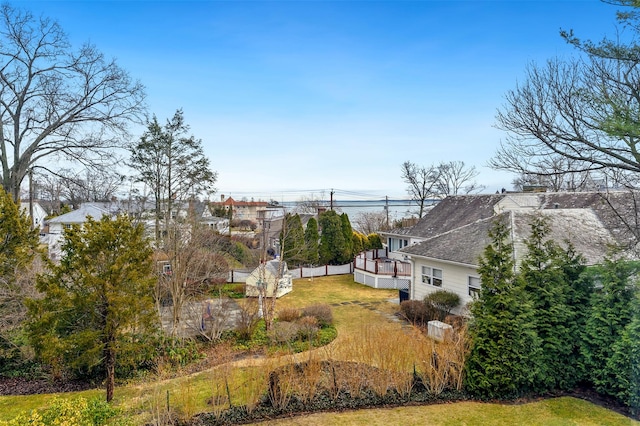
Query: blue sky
x,y
296,98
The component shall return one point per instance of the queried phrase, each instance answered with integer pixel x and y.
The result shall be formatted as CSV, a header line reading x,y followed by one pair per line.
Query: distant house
x,y
58,224
444,247
242,210
219,224
272,276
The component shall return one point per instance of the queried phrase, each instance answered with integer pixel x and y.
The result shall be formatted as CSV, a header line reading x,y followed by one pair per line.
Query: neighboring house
x,y
445,246
39,213
219,224
242,210
272,277
58,224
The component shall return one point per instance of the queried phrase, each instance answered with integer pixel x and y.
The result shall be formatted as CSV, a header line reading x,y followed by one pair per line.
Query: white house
x,y
39,213
58,224
445,246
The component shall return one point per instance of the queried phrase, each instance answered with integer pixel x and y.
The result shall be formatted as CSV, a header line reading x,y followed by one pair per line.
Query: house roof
x,y
457,228
80,215
231,202
451,213
271,268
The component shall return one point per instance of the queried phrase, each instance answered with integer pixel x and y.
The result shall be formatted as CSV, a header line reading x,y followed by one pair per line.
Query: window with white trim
x,y
432,276
474,287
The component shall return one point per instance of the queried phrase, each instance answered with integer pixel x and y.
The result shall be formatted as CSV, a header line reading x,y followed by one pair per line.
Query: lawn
x,y
354,306
549,412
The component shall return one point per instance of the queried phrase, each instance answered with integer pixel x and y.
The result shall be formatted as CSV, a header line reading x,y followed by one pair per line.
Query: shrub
x,y
283,332
443,301
414,311
308,327
79,411
248,318
289,314
322,312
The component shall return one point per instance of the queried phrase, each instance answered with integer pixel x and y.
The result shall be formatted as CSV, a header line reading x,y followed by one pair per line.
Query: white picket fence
x,y
240,275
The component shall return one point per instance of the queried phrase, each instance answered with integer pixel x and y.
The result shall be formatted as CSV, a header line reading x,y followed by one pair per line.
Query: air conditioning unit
x,y
438,330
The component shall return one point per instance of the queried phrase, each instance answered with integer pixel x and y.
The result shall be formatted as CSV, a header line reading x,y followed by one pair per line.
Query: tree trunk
x,y
110,367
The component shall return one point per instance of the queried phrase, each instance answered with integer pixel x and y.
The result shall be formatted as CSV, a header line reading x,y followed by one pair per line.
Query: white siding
x,y
455,278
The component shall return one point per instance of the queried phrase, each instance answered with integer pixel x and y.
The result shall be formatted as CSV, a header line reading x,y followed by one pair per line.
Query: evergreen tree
x,y
544,280
580,290
375,242
174,167
18,248
625,361
609,316
504,360
292,237
347,231
98,302
332,242
311,238
358,242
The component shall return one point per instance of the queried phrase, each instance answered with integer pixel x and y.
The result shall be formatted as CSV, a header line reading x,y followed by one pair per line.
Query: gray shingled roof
x,y
451,213
456,229
80,215
460,245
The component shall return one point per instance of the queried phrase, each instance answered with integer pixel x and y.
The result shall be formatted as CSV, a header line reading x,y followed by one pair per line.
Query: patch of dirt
x,y
21,386
610,403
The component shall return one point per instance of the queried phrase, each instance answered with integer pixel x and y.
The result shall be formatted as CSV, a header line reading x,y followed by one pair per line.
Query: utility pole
x,y
386,208
33,224
331,199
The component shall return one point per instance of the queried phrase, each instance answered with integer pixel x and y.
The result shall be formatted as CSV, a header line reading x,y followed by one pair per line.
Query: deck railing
x,y
382,266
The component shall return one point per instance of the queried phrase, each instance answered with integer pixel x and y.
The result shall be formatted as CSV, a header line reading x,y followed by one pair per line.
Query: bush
x,y
443,302
179,352
79,411
283,332
289,314
308,327
414,311
322,312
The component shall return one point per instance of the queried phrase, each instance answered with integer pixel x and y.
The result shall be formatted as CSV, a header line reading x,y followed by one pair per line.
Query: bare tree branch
x,y
57,101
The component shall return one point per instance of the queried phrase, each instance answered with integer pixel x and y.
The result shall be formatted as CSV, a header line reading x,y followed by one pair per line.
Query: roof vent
x,y
556,205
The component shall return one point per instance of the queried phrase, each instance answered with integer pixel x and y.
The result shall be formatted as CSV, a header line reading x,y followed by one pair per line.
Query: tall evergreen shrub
x,y
505,349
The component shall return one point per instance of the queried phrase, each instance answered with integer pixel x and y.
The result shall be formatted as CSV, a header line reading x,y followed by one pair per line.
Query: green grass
x,y
190,394
549,412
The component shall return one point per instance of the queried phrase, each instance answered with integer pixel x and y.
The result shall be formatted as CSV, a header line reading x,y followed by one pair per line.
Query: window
x,y
432,276
166,269
397,244
474,287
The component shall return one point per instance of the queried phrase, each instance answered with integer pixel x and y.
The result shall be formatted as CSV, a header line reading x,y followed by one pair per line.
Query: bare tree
x,y
583,110
57,101
455,178
371,222
193,266
422,183
310,204
87,185
438,181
